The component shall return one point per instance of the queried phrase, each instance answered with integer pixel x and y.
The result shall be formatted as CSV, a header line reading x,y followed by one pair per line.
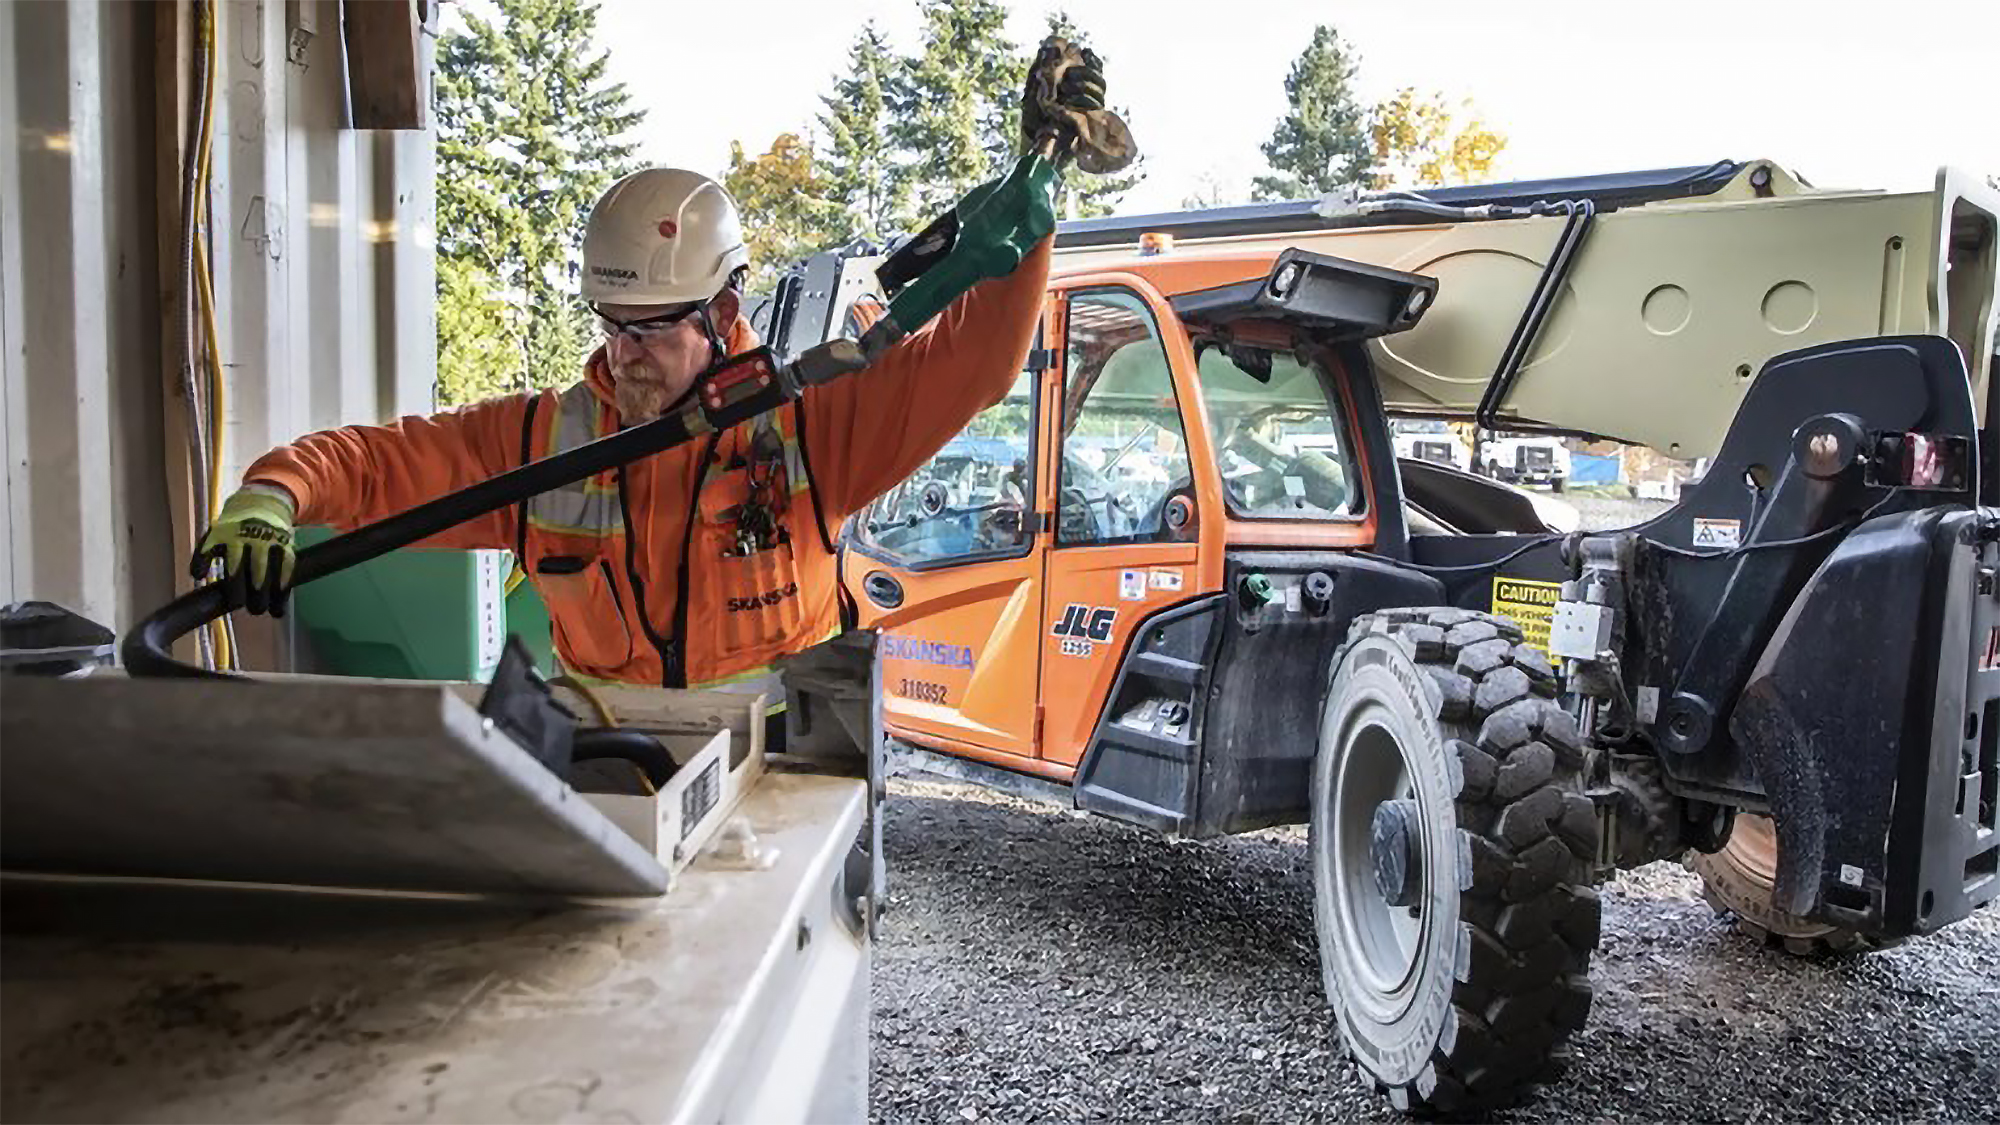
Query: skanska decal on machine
x,y
896,646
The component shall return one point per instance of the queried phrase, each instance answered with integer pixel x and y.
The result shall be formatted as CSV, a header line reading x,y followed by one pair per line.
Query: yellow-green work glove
x,y
252,535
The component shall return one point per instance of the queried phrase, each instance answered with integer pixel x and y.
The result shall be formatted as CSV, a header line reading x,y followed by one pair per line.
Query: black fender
x,y
1863,719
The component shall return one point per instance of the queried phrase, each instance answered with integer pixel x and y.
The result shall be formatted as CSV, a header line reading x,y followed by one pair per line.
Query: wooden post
x,y
385,74
175,43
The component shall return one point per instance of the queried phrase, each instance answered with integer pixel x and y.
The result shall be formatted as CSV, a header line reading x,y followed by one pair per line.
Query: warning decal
x,y
1531,604
1718,533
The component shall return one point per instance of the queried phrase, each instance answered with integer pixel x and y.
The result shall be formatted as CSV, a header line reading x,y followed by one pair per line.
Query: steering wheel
x,y
1329,490
1073,503
1120,512
999,524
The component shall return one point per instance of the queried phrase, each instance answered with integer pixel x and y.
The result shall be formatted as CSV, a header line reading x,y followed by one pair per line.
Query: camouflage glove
x,y
252,535
1063,101
1061,77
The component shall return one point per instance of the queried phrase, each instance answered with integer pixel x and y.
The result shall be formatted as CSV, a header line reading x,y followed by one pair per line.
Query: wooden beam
x,y
385,74
175,43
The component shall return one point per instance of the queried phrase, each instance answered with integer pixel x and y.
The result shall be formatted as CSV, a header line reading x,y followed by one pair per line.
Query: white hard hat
x,y
662,236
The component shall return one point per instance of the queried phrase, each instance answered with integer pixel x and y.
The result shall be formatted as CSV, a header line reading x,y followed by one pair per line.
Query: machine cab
x,y
1173,411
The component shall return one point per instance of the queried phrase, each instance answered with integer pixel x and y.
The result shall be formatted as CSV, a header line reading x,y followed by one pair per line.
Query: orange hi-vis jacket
x,y
640,566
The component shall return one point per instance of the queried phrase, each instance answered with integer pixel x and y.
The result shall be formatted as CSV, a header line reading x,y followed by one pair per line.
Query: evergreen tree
x,y
1322,142
859,170
956,112
529,134
478,336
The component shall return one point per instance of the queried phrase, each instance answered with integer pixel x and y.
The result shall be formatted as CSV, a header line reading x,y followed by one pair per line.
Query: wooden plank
x,y
661,711
667,711
174,46
385,73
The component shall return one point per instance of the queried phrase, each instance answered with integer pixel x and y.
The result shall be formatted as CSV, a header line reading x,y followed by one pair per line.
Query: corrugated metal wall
x,y
321,244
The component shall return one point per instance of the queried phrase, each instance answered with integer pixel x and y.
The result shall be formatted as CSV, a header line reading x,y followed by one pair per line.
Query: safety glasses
x,y
645,328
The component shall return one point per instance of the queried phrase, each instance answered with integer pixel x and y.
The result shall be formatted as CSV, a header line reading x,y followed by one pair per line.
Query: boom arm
x,y
1686,287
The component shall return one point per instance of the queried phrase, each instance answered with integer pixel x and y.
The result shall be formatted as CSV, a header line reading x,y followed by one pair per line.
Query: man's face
x,y
653,364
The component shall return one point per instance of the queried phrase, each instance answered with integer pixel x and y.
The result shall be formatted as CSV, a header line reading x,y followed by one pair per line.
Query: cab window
x,y
969,502
1124,453
1281,447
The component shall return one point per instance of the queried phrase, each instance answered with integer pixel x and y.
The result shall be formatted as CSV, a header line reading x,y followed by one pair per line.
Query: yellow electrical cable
x,y
604,715
218,407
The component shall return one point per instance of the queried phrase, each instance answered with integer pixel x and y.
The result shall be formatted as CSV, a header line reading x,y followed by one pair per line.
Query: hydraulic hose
x,y
192,191
1548,289
146,648
636,747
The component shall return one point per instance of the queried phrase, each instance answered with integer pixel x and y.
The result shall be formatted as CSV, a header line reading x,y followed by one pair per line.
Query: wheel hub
x,y
1377,861
1392,847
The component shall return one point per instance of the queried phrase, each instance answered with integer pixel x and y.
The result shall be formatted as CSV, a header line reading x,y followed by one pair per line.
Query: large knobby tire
x,y
1466,996
1739,882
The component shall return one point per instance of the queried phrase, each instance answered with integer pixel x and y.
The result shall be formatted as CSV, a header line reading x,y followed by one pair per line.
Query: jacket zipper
x,y
677,665
668,650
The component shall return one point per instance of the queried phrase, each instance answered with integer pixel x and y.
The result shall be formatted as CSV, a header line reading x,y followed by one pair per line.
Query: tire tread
x,y
1532,916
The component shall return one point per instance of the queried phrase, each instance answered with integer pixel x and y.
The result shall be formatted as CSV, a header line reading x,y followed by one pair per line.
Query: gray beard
x,y
640,397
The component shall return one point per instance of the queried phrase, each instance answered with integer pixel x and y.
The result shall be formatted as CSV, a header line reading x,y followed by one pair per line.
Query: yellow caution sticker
x,y
1531,604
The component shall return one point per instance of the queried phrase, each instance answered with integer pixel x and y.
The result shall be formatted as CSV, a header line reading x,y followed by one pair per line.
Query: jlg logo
x,y
1086,623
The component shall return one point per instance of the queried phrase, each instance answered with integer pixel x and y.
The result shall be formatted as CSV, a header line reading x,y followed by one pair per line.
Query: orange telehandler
x,y
1178,577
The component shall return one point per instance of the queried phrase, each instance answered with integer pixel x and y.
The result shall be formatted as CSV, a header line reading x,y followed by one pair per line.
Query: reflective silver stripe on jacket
x,y
591,507
588,507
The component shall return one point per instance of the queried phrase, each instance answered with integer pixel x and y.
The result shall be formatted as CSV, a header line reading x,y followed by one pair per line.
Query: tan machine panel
x,y
1672,307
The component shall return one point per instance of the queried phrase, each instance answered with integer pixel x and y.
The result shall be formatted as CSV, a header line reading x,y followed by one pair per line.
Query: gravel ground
x,y
1037,965
1605,513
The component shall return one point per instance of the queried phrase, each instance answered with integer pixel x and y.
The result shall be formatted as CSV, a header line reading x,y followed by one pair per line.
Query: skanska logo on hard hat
x,y
613,273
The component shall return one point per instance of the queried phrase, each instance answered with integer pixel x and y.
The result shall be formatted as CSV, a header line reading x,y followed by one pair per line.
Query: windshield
x,y
1279,444
968,499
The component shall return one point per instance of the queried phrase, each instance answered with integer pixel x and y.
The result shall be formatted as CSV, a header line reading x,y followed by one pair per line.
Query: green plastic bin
x,y
528,619
416,615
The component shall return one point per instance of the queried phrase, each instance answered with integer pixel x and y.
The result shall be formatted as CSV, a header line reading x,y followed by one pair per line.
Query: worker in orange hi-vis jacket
x,y
698,566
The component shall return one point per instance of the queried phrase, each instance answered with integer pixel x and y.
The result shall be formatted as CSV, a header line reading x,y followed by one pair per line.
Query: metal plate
x,y
741,996
321,783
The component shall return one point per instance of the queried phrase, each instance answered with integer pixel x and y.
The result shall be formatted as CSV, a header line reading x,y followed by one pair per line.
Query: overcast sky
x,y
1846,93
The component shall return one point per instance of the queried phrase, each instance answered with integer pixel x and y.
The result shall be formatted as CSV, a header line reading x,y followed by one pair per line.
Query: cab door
x,y
1126,535
948,566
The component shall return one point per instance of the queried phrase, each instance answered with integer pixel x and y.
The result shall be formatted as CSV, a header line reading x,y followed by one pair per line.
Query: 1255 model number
x,y
921,690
